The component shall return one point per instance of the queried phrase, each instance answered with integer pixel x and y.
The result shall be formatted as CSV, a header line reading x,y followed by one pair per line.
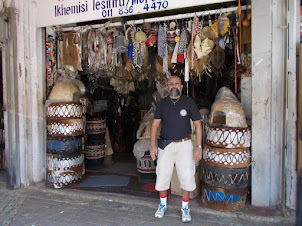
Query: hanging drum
x,y
223,199
61,110
65,127
227,157
96,128
64,145
146,168
228,137
62,171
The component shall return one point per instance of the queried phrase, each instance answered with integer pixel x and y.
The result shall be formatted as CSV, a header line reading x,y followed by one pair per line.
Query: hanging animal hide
x,y
144,53
71,50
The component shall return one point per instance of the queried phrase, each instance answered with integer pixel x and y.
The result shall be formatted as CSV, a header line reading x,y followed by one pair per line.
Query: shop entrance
x,y
121,72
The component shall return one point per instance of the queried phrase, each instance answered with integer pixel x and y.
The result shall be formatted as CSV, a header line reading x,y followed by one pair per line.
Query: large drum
x,y
95,151
227,157
228,137
146,168
64,145
225,171
96,129
65,127
63,171
96,125
62,110
223,199
226,178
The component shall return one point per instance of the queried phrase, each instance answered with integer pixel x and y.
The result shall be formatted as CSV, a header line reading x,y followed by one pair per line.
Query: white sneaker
x,y
185,215
160,212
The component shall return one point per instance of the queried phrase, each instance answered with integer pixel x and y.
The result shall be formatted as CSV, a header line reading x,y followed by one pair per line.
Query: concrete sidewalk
x,y
40,205
45,206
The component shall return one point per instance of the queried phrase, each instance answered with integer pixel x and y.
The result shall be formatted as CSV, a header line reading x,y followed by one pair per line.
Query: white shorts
x,y
180,154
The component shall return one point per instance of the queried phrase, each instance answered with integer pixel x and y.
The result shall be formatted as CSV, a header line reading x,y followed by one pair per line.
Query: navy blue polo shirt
x,y
176,118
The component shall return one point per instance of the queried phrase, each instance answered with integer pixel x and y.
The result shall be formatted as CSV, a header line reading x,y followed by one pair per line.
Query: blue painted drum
x,y
223,199
64,145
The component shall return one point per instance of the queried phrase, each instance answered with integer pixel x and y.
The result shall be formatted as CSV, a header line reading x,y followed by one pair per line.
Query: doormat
x,y
149,187
105,181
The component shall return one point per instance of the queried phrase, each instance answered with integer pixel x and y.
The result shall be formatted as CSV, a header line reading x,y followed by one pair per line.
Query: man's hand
x,y
198,154
153,152
153,148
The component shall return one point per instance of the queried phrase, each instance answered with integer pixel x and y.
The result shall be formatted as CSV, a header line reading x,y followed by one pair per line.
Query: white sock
x,y
185,204
163,201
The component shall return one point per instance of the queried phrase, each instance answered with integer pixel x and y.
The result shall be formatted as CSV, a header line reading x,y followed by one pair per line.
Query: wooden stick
x,y
235,52
239,27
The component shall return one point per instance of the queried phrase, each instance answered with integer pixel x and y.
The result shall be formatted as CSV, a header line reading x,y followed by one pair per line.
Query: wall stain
x,y
25,73
20,70
265,107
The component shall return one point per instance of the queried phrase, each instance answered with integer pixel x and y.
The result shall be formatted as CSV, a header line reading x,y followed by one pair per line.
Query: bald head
x,y
174,79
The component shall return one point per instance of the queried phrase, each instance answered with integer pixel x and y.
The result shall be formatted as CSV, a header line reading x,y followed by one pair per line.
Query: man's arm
x,y
154,128
198,140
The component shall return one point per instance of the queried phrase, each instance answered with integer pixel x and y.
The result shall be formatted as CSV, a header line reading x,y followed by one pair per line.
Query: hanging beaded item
x,y
162,49
195,31
182,46
136,54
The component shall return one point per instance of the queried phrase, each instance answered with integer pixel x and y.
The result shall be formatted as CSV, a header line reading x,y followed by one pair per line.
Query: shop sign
x,y
56,12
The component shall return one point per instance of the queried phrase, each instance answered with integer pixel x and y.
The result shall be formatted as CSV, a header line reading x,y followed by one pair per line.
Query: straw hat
x,y
140,36
206,33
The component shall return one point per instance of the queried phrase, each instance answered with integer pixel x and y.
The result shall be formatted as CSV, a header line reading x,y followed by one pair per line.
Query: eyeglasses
x,y
172,84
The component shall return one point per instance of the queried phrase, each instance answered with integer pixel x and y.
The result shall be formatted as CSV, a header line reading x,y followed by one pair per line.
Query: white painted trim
x,y
293,41
268,73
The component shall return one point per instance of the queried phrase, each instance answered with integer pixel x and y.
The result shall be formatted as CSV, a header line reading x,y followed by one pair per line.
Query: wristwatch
x,y
199,146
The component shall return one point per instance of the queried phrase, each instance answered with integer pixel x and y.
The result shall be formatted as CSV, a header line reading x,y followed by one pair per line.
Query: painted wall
x,y
273,104
24,83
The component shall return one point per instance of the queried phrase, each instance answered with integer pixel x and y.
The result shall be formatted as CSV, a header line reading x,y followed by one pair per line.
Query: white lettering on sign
x,y
56,12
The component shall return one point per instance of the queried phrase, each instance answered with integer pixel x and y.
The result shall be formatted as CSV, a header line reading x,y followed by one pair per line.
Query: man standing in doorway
x,y
174,145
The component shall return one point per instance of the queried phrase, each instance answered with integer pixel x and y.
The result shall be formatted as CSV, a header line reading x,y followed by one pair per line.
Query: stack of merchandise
x,y
145,165
226,155
95,146
65,128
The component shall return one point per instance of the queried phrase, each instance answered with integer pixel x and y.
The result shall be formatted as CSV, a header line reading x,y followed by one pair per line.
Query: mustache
x,y
174,92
